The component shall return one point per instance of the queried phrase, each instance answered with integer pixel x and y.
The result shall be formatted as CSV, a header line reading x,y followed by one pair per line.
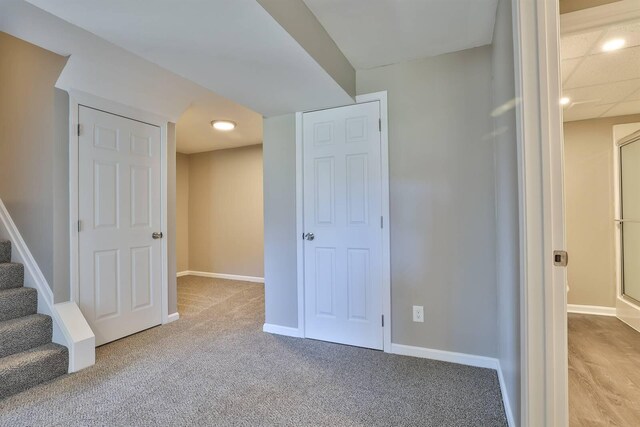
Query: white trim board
x,y
596,310
286,331
462,359
70,328
237,277
445,356
505,397
173,317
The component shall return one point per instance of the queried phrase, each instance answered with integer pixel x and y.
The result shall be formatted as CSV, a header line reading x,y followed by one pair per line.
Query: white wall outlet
x,y
418,313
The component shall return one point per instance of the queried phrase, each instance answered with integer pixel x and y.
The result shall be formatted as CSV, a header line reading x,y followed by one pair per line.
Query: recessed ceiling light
x,y
565,100
613,44
224,125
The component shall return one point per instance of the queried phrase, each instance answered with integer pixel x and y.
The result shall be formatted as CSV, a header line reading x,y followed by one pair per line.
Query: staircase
x,y
27,355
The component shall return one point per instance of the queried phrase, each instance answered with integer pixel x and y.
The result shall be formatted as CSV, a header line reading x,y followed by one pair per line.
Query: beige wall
x,y
588,150
182,211
225,206
33,152
567,6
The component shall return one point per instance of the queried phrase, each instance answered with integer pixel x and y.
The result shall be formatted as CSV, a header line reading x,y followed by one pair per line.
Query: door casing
x,y
386,252
76,99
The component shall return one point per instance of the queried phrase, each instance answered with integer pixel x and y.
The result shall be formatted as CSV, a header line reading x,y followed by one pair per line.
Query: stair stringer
x,y
70,328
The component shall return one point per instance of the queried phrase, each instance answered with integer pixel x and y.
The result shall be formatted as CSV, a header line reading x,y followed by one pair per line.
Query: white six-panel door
x,y
342,225
120,263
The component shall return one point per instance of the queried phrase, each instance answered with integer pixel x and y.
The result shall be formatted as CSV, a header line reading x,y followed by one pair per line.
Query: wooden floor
x,y
604,372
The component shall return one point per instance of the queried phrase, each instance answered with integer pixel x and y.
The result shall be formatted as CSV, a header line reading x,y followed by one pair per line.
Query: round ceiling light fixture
x,y
613,44
224,125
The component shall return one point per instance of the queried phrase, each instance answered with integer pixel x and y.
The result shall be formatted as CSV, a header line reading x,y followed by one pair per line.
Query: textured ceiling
x,y
601,84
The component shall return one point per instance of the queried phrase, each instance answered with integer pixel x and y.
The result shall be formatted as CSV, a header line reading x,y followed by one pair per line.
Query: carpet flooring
x,y
215,366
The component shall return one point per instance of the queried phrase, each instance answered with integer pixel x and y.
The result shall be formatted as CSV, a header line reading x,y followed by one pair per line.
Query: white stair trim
x,y
221,276
69,325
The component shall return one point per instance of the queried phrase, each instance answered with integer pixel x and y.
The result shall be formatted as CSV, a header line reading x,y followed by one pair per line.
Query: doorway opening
x,y
219,209
600,74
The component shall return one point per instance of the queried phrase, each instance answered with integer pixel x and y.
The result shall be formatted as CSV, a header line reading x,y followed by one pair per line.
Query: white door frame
x,y
386,251
544,370
77,99
544,382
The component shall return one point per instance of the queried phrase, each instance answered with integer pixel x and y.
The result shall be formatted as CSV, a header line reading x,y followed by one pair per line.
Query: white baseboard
x,y
462,359
282,330
445,356
173,317
596,310
222,276
505,397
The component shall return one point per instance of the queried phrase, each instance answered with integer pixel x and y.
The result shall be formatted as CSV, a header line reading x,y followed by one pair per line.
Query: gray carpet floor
x,y
215,366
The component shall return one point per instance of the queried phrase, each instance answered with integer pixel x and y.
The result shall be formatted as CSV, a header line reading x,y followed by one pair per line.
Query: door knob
x,y
157,235
309,236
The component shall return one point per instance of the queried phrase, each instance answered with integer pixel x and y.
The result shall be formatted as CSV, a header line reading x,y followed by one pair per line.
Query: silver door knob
x,y
309,236
157,235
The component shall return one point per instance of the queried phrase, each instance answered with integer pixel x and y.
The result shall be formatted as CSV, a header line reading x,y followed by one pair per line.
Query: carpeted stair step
x,y
11,275
29,368
5,251
18,302
24,333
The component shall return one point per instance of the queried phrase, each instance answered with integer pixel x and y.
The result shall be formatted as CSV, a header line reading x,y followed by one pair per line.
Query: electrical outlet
x,y
418,313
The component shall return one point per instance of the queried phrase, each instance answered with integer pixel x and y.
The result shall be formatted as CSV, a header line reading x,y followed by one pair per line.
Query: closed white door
x,y
119,210
343,225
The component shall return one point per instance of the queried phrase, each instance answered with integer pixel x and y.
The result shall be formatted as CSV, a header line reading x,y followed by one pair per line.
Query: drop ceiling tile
x,y
577,45
568,65
624,108
603,94
607,68
629,32
583,111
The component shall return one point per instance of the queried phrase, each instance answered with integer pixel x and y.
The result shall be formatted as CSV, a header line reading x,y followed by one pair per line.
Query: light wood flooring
x,y
604,372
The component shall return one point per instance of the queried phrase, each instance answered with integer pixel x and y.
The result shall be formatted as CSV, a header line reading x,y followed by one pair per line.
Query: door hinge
x,y
79,225
380,125
383,320
79,129
381,222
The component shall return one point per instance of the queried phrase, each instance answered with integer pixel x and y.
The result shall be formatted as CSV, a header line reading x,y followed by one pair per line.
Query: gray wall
x,y
32,155
442,203
279,157
506,185
442,199
171,218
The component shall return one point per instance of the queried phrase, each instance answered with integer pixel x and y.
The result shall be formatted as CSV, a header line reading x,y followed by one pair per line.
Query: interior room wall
x,y
442,203
34,153
182,211
442,199
280,233
507,212
589,198
226,225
